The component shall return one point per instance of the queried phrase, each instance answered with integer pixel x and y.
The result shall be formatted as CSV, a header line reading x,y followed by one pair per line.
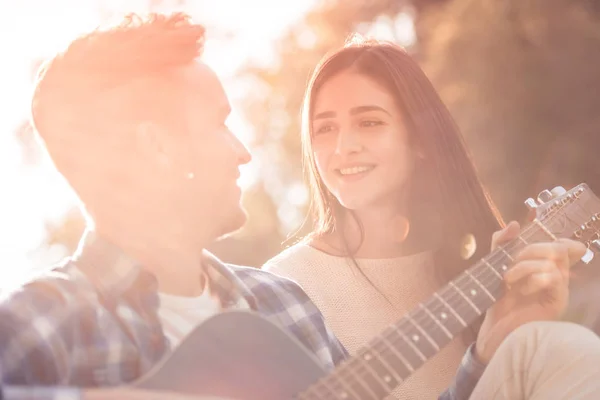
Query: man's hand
x,y
537,288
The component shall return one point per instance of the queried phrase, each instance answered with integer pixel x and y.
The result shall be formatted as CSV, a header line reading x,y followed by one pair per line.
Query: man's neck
x,y
177,273
175,262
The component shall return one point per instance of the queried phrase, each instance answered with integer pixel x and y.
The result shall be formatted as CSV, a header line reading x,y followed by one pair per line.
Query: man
x,y
137,126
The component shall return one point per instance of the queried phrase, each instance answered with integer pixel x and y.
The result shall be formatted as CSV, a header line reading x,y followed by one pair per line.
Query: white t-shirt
x,y
180,315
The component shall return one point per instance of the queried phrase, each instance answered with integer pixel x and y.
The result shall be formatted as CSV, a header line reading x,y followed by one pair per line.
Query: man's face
x,y
206,157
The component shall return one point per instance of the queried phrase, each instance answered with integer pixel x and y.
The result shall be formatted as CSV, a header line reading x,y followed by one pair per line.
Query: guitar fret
x,y
423,333
462,321
363,389
398,354
493,269
321,384
437,321
507,254
544,229
334,385
464,296
480,285
385,387
324,384
340,387
382,369
398,351
411,344
347,391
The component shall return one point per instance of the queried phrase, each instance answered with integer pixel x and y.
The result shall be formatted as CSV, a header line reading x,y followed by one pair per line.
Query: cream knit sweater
x,y
356,312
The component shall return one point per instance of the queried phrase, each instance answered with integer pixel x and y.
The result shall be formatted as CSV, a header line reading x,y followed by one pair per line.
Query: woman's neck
x,y
381,233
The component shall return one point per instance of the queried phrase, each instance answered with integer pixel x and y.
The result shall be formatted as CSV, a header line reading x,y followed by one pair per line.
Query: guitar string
x,y
585,214
401,339
338,387
430,322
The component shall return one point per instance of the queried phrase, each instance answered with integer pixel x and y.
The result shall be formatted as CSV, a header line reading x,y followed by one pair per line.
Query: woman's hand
x,y
537,288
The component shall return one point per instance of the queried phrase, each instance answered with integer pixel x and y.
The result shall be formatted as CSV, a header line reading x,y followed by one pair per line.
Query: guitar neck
x,y
390,358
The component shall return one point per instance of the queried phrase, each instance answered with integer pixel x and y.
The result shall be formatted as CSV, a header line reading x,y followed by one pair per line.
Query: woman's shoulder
x,y
302,256
299,254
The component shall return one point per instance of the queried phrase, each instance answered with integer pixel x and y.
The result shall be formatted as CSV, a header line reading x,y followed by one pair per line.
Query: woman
x,y
398,207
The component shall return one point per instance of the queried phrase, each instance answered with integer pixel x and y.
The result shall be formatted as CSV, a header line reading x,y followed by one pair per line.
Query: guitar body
x,y
236,355
240,355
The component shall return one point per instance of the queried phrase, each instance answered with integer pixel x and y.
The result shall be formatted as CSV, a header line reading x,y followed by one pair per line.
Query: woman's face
x,y
360,142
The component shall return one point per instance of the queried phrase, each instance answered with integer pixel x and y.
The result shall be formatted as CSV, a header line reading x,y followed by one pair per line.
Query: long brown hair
x,y
446,200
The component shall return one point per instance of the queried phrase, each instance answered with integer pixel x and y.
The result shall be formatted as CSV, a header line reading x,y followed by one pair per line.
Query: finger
x,y
543,250
564,252
544,281
524,269
575,249
505,235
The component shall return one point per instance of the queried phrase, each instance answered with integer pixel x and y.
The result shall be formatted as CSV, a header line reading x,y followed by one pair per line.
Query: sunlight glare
x,y
239,31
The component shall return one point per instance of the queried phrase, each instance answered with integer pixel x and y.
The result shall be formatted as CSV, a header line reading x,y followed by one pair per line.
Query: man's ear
x,y
151,144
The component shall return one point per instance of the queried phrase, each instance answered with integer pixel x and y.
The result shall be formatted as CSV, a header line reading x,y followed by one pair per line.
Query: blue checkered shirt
x,y
93,322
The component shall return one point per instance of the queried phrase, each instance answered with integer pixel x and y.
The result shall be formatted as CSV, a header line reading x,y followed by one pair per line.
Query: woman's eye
x,y
370,123
323,129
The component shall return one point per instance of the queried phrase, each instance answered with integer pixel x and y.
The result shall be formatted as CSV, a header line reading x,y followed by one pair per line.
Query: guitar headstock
x,y
573,214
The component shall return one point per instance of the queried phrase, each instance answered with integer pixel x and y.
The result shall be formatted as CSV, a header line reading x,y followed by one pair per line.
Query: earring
x,y
400,228
468,246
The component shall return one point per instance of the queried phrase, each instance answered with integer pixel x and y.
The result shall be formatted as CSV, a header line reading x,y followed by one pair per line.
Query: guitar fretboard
x,y
398,351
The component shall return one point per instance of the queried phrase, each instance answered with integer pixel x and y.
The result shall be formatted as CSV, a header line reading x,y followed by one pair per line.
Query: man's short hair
x,y
78,89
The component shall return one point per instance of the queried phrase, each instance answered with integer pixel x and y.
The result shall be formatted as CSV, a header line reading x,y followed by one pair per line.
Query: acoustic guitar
x,y
240,355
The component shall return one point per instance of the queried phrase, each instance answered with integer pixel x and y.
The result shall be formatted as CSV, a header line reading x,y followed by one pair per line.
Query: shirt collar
x,y
109,269
225,285
113,273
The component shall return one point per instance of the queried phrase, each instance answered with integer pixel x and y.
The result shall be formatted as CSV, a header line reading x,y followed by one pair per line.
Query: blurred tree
x,y
274,108
521,79
518,75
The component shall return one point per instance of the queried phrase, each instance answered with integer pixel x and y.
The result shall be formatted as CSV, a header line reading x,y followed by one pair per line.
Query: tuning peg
x,y
544,196
594,247
588,256
530,204
558,191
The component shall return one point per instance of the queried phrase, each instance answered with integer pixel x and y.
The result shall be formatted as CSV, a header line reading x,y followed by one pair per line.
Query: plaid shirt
x,y
93,322
466,379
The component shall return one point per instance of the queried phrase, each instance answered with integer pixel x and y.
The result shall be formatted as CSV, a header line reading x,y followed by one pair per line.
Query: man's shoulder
x,y
58,283
259,278
273,291
284,302
60,314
